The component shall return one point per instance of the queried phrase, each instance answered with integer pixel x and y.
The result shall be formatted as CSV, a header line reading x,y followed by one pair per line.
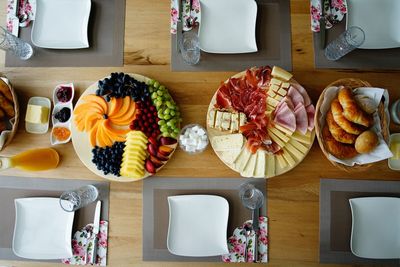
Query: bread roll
x,y
351,110
7,106
344,123
337,149
366,142
337,132
366,103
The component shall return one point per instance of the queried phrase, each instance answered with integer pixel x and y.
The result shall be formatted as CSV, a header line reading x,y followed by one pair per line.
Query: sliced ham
x,y
286,101
303,92
301,119
285,117
310,114
295,96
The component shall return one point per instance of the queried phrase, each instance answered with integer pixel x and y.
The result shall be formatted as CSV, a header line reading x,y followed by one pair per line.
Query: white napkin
x,y
382,150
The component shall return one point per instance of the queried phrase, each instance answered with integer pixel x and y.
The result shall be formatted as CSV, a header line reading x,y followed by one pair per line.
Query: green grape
x,y
177,130
156,84
160,93
164,128
167,117
158,103
162,87
154,95
172,113
151,82
166,134
170,123
166,111
174,135
161,122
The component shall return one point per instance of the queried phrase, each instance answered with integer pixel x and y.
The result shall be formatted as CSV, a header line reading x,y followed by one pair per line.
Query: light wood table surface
x,y
293,198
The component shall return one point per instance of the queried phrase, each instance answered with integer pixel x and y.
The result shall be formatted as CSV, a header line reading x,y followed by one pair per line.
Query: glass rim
x,y
351,40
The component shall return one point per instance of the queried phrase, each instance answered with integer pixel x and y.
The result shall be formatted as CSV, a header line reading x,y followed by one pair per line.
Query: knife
x,y
96,228
179,25
322,24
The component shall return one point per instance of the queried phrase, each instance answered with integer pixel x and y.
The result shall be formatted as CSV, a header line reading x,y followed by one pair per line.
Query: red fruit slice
x,y
153,150
165,150
161,157
153,141
157,163
150,167
167,141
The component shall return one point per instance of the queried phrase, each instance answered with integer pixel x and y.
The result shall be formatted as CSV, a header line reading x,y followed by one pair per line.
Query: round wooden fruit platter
x,y
261,122
123,131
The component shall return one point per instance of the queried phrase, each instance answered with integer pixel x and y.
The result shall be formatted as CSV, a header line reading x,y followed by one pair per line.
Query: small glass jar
x,y
395,112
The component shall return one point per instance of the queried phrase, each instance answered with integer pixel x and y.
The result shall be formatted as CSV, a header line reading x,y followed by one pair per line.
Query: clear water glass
x,y
250,196
15,45
395,112
75,199
349,40
190,48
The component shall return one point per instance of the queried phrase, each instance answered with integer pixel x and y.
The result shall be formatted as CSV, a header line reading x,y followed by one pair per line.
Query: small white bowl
x,y
39,128
55,99
183,147
394,164
53,140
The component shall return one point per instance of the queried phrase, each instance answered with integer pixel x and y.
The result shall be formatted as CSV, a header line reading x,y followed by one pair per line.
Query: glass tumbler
x,y
349,40
250,196
75,199
15,45
189,46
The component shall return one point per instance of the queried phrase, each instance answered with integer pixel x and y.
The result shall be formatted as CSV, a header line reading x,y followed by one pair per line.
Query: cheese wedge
x,y
280,134
269,166
242,119
259,171
218,120
234,122
248,170
294,152
241,161
211,118
271,93
285,85
278,98
282,92
276,139
281,162
227,142
274,87
281,73
305,139
289,159
283,129
229,156
273,102
226,121
276,82
299,146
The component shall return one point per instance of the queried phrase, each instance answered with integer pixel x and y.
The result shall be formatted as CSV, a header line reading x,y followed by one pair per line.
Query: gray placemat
x,y
273,36
20,187
106,39
359,59
155,210
335,217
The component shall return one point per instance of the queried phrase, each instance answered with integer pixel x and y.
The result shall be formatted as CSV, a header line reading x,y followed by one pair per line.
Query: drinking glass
x,y
251,197
17,46
352,38
189,46
75,199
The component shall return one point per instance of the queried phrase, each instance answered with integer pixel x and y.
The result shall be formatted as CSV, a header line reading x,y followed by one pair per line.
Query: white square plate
x,y
61,24
197,225
43,230
375,232
379,19
228,26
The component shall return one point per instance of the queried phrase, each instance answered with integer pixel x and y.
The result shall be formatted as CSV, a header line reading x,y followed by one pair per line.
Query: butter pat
x,y
37,114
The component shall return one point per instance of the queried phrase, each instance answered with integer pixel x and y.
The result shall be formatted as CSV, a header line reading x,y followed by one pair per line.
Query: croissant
x,y
337,149
351,110
345,124
2,114
7,106
337,132
5,90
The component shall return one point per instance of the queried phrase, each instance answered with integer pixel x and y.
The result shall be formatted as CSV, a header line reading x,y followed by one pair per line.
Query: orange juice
x,y
36,160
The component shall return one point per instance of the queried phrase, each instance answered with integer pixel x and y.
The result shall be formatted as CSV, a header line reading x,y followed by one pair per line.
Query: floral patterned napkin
x,y
333,13
194,16
21,17
82,246
237,243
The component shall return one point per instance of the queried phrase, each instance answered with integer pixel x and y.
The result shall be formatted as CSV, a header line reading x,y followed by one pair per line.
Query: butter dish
x,y
38,115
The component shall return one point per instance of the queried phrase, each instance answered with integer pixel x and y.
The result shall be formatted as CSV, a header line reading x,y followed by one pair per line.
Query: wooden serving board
x,y
212,132
83,149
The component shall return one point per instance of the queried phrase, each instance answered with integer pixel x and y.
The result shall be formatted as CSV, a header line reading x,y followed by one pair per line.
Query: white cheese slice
x,y
281,162
278,98
276,139
270,108
285,85
241,161
280,134
242,119
276,81
259,171
250,166
271,93
229,156
305,139
283,129
274,87
218,119
226,121
289,159
211,118
272,102
234,122
281,73
282,92
227,142
299,146
270,166
294,152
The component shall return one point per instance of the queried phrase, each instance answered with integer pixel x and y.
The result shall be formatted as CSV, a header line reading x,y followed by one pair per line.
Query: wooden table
x,y
293,198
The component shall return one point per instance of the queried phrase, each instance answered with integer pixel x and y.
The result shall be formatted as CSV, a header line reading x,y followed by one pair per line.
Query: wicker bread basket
x,y
352,83
7,135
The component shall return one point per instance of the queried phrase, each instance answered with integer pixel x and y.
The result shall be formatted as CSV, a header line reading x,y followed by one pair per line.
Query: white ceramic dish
x,y
379,19
228,26
197,225
39,128
58,105
43,230
375,230
61,24
394,164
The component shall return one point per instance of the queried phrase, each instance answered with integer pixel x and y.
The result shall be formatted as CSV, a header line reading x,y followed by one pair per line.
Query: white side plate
x,y
197,225
61,24
379,19
375,232
43,230
228,26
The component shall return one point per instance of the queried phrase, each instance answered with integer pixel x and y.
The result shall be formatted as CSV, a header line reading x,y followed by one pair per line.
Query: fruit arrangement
x,y
261,122
127,129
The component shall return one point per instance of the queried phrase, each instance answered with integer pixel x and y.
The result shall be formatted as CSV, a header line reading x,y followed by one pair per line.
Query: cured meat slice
x,y
303,92
285,117
310,114
295,96
301,119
